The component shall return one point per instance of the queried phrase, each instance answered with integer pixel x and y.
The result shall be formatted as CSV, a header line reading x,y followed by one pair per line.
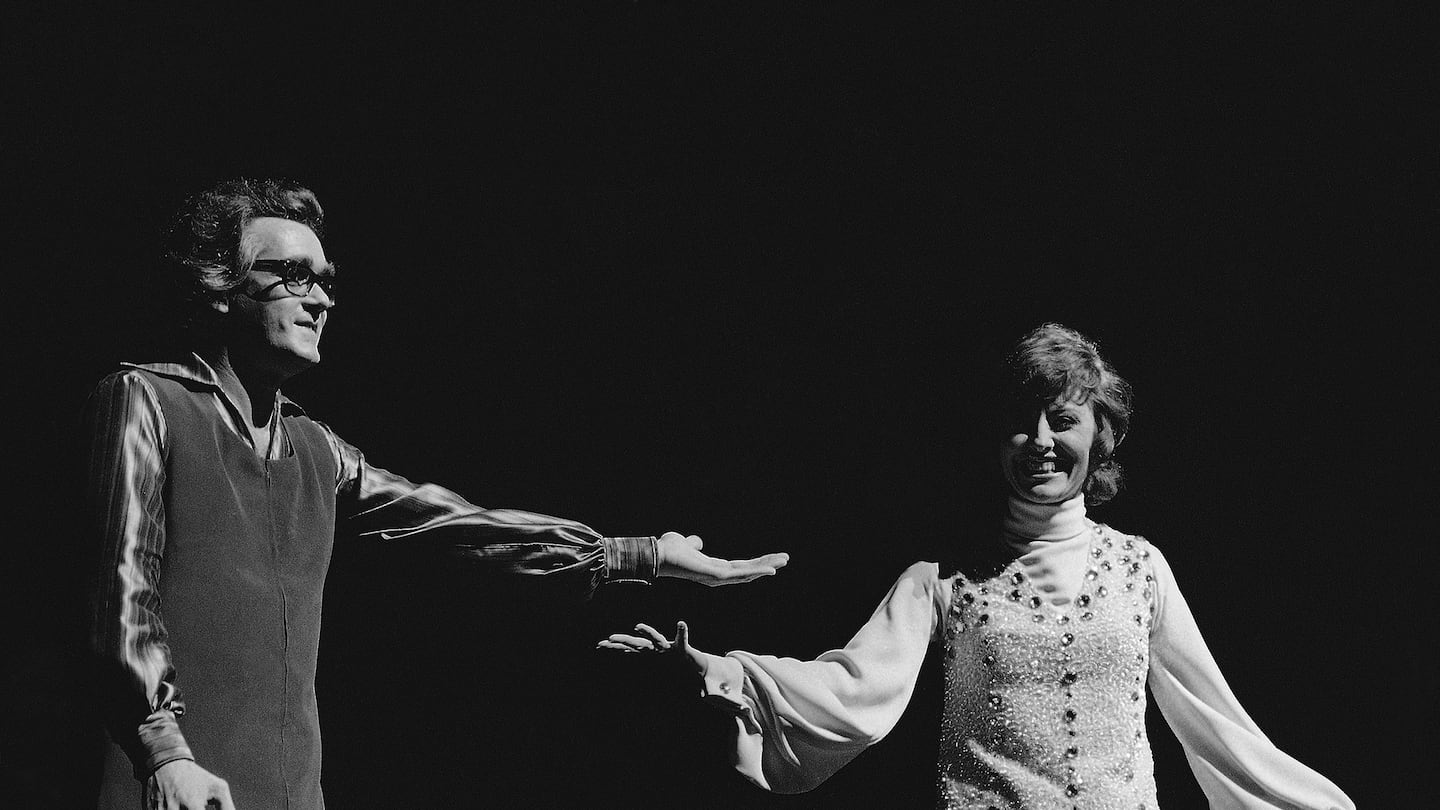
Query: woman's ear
x,y
220,305
1116,437
1105,443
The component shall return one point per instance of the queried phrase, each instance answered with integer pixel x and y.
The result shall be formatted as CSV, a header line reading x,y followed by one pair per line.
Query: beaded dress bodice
x,y
1045,704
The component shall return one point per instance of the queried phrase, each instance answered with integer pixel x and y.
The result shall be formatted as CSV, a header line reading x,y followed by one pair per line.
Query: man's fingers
x,y
734,572
769,562
777,561
682,636
222,799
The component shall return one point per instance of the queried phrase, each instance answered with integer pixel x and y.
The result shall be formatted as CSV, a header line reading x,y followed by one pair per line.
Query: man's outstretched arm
x,y
377,503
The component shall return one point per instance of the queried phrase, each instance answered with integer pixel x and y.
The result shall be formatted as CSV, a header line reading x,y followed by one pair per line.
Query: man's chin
x,y
293,363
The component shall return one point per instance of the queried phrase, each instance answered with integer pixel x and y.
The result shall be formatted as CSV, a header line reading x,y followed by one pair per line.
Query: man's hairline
x,y
247,251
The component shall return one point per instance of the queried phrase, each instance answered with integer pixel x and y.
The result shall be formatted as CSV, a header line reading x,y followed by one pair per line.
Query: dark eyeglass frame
x,y
297,276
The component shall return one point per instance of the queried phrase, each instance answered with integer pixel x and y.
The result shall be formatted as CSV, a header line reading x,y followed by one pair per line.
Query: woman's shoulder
x,y
925,582
977,563
922,576
922,570
1137,546
1124,540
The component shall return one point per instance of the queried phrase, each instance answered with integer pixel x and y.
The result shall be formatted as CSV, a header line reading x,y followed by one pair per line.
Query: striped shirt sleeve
x,y
126,514
380,504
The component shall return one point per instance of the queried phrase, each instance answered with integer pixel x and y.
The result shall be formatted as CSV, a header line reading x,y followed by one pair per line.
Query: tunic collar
x,y
195,369
1026,521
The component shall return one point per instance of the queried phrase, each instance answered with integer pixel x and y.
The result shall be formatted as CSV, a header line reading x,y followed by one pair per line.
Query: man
x,y
215,500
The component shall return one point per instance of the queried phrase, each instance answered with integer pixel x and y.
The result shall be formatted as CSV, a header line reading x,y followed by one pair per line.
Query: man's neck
x,y
253,394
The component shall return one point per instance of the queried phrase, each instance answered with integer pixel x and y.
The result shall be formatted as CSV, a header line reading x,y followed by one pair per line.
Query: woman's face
x,y
1047,455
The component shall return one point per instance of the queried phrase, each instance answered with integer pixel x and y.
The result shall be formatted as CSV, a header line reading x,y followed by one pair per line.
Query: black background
x,y
734,271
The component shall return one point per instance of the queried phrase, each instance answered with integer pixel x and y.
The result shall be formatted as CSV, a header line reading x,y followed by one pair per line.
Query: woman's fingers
x,y
633,643
661,643
647,639
617,646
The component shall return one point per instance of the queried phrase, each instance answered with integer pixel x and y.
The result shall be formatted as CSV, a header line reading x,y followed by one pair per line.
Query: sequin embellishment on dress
x,y
1045,704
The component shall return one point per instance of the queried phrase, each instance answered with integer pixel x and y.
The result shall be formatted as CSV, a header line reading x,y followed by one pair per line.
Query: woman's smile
x,y
1042,467
1046,457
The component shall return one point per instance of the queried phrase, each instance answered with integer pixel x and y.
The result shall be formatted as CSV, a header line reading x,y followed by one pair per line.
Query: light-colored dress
x,y
1045,671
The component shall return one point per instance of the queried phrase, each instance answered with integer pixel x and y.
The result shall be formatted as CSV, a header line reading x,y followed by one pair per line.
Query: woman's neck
x,y
1026,521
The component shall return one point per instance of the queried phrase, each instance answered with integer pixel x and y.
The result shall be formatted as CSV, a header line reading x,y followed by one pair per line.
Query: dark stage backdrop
x,y
738,272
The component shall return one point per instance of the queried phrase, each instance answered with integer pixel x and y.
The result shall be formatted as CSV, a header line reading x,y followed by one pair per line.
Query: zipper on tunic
x,y
275,555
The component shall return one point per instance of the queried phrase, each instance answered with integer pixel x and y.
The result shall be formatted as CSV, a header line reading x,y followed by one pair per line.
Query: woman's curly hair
x,y
1055,362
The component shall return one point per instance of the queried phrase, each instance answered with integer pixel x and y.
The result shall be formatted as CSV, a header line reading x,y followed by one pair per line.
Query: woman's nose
x,y
1041,436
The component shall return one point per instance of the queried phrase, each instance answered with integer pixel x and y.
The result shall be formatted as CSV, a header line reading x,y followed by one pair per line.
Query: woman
x,y
1047,650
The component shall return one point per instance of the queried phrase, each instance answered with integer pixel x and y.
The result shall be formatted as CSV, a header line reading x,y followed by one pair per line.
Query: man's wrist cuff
x,y
161,754
158,740
631,559
166,759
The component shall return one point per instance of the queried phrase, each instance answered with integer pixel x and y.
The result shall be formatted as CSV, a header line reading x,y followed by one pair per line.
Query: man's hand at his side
x,y
681,557
183,785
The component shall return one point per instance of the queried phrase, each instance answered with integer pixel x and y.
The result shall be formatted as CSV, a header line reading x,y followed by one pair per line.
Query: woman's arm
x,y
1234,762
798,722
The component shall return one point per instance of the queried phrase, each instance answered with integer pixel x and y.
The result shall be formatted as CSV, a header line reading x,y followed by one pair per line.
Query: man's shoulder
x,y
142,387
125,377
187,375
191,369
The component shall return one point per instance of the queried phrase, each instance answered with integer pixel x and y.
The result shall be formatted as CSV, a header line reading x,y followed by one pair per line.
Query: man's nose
x,y
319,297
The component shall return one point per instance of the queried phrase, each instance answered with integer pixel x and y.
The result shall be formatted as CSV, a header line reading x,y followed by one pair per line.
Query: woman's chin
x,y
1045,492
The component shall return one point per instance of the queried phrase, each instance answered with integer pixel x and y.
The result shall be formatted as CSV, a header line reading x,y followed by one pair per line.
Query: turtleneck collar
x,y
1028,521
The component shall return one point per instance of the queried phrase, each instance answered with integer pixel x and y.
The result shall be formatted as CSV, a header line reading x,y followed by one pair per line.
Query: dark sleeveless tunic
x,y
247,546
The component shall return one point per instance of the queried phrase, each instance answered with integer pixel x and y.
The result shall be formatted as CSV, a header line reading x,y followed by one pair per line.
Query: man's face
x,y
272,331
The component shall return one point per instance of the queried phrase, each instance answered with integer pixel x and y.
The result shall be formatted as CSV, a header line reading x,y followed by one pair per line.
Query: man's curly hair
x,y
204,256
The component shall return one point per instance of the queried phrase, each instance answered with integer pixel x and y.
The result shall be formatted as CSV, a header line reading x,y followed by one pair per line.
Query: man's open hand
x,y
681,557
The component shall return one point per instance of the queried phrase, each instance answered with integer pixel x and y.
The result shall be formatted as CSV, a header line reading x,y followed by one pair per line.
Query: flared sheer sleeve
x,y
798,722
1235,763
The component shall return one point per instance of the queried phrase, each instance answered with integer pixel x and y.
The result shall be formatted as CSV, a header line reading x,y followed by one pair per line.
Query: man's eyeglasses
x,y
297,277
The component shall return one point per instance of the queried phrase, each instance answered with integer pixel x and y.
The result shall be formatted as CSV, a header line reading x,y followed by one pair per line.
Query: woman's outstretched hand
x,y
649,640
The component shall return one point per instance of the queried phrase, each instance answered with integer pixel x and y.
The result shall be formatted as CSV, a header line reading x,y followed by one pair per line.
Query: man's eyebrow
x,y
329,269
